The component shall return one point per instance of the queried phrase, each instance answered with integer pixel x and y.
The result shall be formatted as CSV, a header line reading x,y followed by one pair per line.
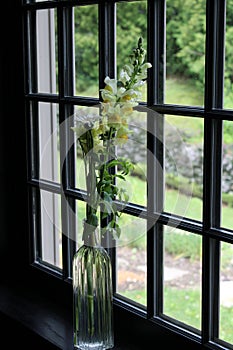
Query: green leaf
x,y
120,177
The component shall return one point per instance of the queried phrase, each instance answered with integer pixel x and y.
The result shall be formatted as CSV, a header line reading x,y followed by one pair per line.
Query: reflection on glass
x,y
31,1
131,24
226,295
80,169
47,61
80,176
227,175
51,231
86,51
228,78
49,143
182,276
183,166
131,259
185,52
79,219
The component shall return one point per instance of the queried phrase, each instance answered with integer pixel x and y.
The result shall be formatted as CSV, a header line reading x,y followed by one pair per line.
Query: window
x,y
177,228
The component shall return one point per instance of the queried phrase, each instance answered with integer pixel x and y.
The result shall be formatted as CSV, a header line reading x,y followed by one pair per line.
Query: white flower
x,y
113,90
131,95
111,84
143,70
84,122
128,68
124,76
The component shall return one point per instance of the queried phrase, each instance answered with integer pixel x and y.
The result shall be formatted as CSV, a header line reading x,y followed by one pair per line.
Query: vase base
x,y
94,346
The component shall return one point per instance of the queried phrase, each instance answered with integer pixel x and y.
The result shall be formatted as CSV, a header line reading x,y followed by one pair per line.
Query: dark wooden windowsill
x,y
29,318
32,319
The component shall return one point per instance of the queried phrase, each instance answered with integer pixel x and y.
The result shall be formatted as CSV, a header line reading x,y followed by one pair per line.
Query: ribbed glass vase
x,y
93,299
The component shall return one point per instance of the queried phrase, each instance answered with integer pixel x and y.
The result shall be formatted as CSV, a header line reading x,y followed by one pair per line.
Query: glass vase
x,y
92,298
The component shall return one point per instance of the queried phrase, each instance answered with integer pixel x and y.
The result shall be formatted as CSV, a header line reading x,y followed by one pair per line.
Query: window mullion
x,y
212,168
67,52
67,151
214,68
219,38
155,155
35,224
211,217
156,51
107,67
107,42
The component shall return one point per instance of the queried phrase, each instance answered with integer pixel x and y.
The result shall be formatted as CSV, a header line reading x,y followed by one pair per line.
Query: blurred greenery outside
x,y
184,86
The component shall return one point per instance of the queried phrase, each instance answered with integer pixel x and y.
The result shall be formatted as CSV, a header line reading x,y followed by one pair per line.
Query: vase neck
x,y
92,239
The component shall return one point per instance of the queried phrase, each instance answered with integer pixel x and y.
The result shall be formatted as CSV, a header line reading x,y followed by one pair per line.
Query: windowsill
x,y
27,315
43,321
34,313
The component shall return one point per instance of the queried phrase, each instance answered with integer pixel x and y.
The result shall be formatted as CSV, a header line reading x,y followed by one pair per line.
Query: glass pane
x,y
131,24
51,231
131,259
86,51
135,150
182,276
46,52
228,79
49,142
185,52
227,175
184,166
226,293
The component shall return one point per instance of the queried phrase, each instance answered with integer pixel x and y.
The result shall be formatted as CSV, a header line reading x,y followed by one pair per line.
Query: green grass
x,y
226,323
136,188
183,92
184,306
139,296
227,217
185,206
192,128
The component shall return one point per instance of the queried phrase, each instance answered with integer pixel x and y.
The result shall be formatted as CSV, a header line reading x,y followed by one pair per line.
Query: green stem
x,y
132,79
106,157
91,221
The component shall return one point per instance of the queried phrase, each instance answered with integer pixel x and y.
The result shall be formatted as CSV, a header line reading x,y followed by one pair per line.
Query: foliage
x,y
86,46
185,42
184,185
131,23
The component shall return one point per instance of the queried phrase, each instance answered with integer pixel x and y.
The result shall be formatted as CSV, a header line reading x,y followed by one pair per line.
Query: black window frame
x,y
148,324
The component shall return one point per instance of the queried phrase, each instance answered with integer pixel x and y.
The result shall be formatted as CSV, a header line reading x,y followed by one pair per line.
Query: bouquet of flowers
x,y
100,134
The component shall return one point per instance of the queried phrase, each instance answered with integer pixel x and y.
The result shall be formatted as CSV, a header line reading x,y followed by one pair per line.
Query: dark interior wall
x,y
2,141
13,195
